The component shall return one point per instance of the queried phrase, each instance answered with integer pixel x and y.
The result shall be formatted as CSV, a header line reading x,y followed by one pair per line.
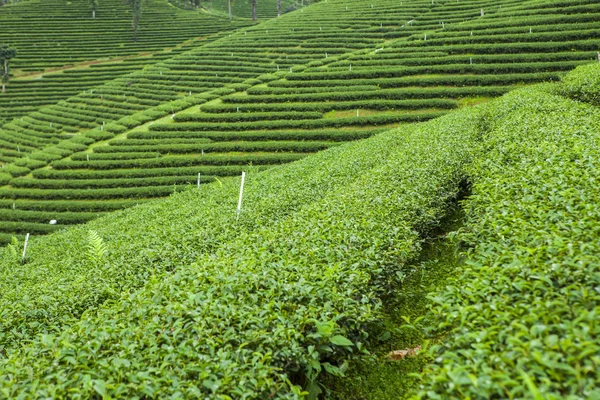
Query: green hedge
x,y
389,94
463,68
123,154
583,84
108,194
220,170
521,320
69,205
108,183
179,161
243,146
301,124
44,217
194,228
321,134
22,228
245,117
295,313
373,104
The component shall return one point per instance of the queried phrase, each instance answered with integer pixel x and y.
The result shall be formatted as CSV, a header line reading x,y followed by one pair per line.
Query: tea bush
x,y
269,308
61,285
582,84
521,319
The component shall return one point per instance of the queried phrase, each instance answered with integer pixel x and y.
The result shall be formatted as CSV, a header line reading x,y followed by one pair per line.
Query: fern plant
x,y
13,249
96,248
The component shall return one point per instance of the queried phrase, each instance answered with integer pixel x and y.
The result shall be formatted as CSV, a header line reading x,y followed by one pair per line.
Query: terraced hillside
x,y
223,66
63,51
274,93
187,298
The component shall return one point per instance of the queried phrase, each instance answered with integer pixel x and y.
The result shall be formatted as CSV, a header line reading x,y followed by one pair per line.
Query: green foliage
x,y
339,71
319,243
12,250
136,14
6,54
96,248
582,84
5,178
524,309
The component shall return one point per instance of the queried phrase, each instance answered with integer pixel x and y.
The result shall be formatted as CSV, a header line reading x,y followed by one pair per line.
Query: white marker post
x,y
198,180
239,207
25,249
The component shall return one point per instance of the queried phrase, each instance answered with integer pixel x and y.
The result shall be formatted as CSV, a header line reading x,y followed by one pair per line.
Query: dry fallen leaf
x,y
400,354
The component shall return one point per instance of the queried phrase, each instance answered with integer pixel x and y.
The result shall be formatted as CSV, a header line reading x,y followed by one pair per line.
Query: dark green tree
x,y
6,54
136,11
94,7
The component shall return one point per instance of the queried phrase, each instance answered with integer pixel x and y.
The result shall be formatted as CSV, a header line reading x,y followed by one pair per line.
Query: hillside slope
x,y
304,82
63,51
186,80
264,303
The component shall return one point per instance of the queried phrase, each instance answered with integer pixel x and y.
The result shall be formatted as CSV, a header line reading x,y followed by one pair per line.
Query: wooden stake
x,y
239,207
25,249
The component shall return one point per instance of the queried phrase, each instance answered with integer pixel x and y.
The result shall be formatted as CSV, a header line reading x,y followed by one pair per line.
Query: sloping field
x,y
274,93
184,298
63,51
223,67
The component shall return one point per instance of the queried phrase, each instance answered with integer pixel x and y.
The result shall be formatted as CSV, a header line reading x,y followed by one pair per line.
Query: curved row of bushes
x,y
266,309
521,319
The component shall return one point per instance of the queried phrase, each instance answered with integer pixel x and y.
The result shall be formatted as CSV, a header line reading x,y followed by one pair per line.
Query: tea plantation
x,y
273,93
64,50
439,196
